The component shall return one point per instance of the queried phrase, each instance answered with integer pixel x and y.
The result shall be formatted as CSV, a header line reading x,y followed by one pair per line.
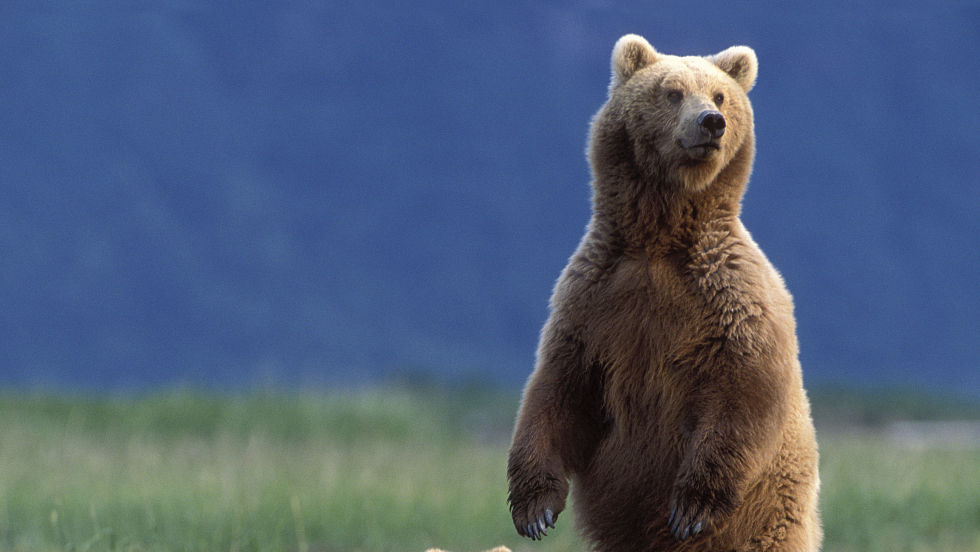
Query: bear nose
x,y
712,124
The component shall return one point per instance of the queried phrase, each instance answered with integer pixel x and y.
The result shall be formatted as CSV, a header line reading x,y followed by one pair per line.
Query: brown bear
x,y
667,387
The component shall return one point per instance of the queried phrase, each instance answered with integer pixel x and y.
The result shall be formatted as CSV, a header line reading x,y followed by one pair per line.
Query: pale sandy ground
x,y
497,549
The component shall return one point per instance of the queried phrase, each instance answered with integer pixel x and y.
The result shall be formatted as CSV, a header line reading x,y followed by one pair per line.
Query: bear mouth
x,y
703,150
710,144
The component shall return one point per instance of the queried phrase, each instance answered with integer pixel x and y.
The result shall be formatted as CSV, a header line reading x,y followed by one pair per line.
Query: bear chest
x,y
650,315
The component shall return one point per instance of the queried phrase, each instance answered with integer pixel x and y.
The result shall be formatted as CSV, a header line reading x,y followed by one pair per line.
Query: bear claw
x,y
681,528
538,529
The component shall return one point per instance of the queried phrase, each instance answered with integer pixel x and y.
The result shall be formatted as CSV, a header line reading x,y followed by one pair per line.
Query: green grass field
x,y
396,469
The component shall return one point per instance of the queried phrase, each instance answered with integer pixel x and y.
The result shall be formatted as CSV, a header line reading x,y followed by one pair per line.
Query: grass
x,y
396,469
880,496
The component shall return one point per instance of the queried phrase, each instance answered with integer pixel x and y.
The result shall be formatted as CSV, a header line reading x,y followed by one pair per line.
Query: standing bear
x,y
668,389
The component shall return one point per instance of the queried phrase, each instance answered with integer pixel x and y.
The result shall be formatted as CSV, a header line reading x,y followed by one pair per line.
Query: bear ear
x,y
631,53
740,63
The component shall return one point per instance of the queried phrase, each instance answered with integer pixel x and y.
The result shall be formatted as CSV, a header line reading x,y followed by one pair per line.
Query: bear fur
x,y
667,386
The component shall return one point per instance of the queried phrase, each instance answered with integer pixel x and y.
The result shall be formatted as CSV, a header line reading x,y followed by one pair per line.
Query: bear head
x,y
674,121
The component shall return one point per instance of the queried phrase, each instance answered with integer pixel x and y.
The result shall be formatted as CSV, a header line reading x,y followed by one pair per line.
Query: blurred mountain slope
x,y
302,191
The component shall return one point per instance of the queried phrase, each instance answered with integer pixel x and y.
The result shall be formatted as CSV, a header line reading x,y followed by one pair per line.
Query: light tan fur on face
x,y
667,388
664,133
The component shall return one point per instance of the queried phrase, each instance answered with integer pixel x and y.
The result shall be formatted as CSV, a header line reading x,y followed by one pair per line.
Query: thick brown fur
x,y
667,388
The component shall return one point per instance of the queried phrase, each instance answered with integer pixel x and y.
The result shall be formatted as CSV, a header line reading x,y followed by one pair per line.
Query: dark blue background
x,y
303,192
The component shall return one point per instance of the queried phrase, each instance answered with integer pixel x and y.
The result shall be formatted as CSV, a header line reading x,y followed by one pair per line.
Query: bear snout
x,y
711,123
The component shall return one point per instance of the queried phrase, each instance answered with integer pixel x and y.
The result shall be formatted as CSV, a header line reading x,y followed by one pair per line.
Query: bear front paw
x,y
538,527
693,511
533,515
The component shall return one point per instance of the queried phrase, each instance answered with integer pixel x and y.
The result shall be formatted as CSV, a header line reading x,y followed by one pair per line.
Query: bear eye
x,y
675,95
719,99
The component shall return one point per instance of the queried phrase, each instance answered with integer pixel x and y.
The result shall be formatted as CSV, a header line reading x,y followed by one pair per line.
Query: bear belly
x,y
621,501
622,498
